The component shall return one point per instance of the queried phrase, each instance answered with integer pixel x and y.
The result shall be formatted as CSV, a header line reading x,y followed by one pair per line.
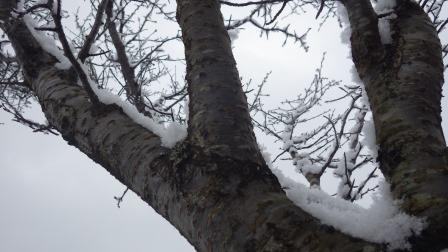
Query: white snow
x,y
383,222
169,134
186,109
357,80
304,164
301,160
382,7
369,137
47,43
385,32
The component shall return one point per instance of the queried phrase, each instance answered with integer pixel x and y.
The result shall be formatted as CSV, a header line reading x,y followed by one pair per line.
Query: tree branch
x,y
219,118
91,37
367,49
220,204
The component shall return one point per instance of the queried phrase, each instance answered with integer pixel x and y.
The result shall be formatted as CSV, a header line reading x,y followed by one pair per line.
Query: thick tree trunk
x,y
219,200
403,81
214,187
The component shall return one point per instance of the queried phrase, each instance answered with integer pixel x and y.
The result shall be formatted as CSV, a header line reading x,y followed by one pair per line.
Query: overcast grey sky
x,y
53,198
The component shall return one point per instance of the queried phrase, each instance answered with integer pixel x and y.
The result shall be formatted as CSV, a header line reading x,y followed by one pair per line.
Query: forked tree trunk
x,y
214,187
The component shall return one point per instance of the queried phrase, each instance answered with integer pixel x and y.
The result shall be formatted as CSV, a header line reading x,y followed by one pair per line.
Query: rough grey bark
x,y
219,118
403,81
217,201
215,188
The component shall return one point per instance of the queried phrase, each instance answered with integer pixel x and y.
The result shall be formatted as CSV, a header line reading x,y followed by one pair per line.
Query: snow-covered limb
x,y
349,163
332,144
169,188
382,222
170,133
129,58
71,58
353,159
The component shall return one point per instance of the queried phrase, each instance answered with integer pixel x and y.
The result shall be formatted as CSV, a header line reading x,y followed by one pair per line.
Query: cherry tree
x,y
188,148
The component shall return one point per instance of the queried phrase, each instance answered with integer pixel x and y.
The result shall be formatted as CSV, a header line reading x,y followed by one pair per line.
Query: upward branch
x,y
219,117
367,49
403,82
133,89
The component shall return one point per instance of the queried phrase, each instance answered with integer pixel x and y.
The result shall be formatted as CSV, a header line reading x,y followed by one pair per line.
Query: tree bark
x,y
403,82
219,120
214,187
219,203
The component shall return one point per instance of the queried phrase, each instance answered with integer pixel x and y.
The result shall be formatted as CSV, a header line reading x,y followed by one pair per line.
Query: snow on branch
x,y
382,223
315,137
58,45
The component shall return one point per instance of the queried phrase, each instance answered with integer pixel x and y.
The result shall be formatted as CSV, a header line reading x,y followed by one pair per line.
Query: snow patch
x,y
48,44
385,7
381,223
169,133
369,137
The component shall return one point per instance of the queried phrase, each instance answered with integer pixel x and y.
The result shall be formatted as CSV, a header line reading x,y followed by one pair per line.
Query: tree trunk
x,y
404,81
214,187
217,192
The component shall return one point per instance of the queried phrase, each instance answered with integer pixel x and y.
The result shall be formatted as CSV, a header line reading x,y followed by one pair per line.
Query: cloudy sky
x,y
53,198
